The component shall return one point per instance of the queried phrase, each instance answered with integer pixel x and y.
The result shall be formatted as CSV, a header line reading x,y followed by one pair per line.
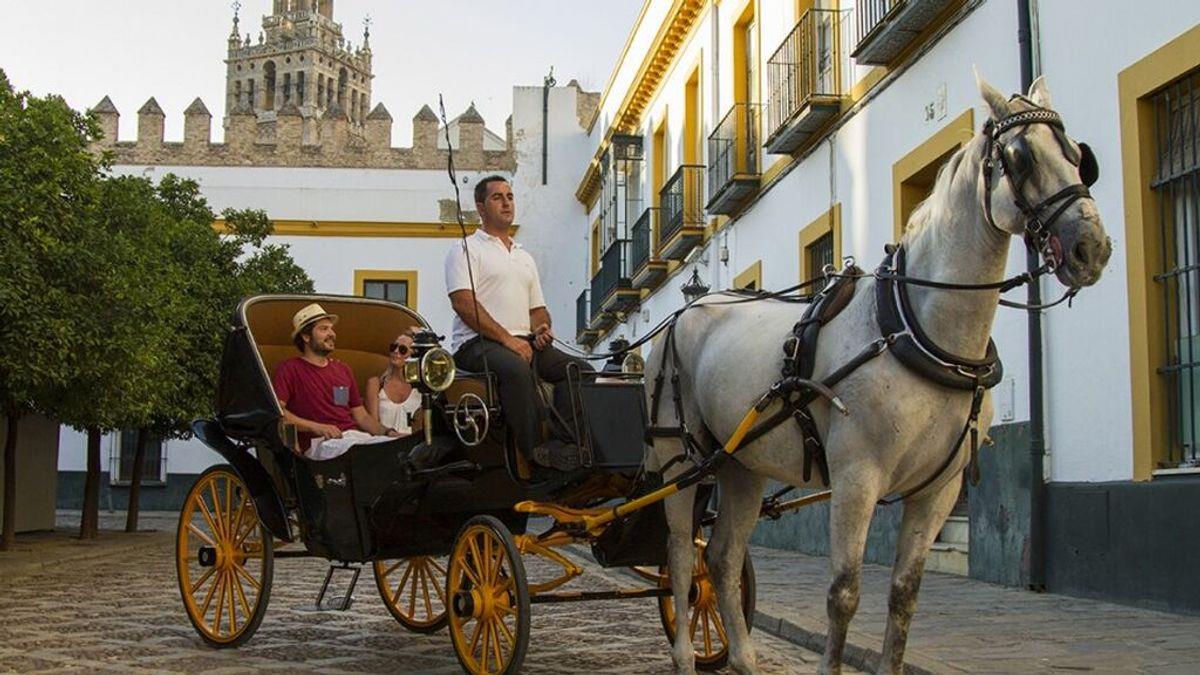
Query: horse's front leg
x,y
680,555
923,519
741,500
850,510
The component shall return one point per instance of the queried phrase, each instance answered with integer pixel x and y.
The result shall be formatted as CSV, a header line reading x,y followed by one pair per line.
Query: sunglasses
x,y
398,347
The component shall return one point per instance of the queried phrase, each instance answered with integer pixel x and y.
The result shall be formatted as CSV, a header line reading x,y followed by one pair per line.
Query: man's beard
x,y
320,349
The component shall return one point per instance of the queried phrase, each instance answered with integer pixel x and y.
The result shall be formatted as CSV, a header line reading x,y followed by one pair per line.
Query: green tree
x,y
48,179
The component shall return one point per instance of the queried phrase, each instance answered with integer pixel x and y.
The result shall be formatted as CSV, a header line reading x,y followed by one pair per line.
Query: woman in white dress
x,y
390,399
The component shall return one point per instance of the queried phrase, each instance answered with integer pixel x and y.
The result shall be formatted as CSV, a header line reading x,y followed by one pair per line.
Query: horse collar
x,y
912,347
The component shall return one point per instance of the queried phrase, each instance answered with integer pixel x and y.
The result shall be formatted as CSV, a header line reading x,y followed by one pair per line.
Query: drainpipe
x,y
547,84
1026,41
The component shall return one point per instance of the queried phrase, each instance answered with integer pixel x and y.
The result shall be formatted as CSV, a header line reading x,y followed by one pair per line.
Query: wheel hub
x,y
207,556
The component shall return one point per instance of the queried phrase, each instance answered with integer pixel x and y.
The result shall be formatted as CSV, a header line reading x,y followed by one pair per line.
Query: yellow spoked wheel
x,y
489,599
223,558
704,621
414,590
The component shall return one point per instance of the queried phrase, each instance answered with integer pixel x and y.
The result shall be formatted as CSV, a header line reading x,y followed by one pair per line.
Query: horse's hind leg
x,y
923,519
741,500
851,508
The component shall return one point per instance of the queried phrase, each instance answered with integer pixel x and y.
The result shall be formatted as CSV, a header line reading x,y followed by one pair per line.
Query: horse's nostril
x,y
1082,252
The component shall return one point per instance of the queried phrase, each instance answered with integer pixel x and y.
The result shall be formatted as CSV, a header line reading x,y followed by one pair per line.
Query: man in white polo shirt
x,y
509,323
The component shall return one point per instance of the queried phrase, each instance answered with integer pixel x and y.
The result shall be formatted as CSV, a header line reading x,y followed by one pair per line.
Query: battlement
x,y
291,136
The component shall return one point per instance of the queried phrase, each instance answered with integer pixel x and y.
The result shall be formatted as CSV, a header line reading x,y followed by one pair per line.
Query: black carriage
x,y
443,516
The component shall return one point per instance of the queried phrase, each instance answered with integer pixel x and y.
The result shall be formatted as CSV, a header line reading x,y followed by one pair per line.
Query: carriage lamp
x,y
433,369
633,364
694,288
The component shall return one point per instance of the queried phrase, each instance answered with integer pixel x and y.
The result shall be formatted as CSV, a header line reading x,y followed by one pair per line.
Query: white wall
x,y
1087,355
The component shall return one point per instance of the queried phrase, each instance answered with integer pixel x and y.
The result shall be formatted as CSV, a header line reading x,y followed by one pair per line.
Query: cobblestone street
x,y
123,614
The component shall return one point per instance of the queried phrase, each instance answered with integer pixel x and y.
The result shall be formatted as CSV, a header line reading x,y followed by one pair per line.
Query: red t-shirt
x,y
319,394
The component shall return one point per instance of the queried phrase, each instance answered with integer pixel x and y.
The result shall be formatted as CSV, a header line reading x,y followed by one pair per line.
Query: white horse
x,y
901,428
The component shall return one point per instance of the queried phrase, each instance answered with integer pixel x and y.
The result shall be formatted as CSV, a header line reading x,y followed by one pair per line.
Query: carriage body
x,y
372,505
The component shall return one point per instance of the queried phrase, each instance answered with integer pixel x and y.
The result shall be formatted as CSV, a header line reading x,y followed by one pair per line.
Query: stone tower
x,y
301,59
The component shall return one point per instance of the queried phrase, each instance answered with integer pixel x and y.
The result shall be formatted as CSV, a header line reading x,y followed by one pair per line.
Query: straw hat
x,y
308,315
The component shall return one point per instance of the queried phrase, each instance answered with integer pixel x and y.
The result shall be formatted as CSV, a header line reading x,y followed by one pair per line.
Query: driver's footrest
x,y
343,603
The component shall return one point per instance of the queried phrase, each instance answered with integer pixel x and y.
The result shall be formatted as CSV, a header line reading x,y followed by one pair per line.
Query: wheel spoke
x,y
229,505
220,604
391,569
496,648
199,533
209,596
208,517
426,582
412,595
508,634
236,525
707,631
232,610
695,621
476,574
216,512
200,582
487,645
249,577
400,586
437,566
475,637
716,622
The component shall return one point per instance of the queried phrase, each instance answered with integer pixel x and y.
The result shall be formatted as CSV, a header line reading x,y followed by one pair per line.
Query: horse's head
x,y
1035,183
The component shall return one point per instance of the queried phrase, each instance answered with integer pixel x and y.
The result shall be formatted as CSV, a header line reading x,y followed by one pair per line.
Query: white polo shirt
x,y
506,283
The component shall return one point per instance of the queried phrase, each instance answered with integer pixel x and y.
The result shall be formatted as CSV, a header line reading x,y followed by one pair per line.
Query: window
x,y
914,174
1158,108
399,286
153,460
596,246
821,244
751,278
1177,192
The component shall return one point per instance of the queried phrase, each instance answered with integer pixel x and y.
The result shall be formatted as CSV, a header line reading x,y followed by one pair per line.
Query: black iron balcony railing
x,y
612,277
806,67
581,313
642,242
682,201
884,29
733,158
870,15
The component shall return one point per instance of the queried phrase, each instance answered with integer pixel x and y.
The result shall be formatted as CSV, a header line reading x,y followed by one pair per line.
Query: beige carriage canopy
x,y
260,338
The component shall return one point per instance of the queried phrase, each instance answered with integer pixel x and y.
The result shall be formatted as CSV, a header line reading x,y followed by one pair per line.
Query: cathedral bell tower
x,y
300,59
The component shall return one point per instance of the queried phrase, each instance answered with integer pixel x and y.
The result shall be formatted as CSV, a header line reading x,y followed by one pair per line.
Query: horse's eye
x,y
1017,158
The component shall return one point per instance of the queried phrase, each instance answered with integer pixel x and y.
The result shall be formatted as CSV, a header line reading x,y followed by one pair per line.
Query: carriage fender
x,y
266,499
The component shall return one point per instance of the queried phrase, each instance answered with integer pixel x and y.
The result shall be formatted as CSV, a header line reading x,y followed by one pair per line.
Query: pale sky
x,y
174,50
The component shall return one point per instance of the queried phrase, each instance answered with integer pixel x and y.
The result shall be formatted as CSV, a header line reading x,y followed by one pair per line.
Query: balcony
x,y
584,334
805,80
885,28
646,268
682,217
733,160
612,291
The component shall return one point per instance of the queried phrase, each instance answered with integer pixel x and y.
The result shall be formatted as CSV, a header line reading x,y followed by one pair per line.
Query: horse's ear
x,y
995,100
1039,93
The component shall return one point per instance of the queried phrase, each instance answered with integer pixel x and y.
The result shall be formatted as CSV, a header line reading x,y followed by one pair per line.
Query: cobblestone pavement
x,y
966,625
123,614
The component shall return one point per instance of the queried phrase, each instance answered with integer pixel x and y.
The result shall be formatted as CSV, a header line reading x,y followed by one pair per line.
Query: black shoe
x,y
557,455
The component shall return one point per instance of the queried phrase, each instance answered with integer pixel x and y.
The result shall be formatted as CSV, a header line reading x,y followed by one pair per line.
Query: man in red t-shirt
x,y
318,393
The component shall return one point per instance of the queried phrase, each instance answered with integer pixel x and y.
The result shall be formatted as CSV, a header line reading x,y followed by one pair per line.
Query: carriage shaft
x,y
619,594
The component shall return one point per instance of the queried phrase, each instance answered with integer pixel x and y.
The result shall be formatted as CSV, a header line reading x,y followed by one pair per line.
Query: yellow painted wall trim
x,y
363,228
1143,257
955,134
752,274
829,222
620,60
361,277
588,190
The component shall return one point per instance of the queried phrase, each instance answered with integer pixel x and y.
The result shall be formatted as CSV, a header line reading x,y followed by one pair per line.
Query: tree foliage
x,y
117,291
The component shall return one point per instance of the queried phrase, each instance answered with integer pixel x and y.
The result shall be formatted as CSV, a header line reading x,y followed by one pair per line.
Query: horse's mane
x,y
938,201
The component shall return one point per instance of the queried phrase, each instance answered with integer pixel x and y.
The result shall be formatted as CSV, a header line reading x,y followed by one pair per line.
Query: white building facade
x,y
770,137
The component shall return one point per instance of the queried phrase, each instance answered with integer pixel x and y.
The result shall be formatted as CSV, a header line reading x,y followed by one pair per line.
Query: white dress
x,y
395,415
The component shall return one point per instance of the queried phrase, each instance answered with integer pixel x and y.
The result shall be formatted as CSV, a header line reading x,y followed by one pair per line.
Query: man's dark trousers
x,y
516,382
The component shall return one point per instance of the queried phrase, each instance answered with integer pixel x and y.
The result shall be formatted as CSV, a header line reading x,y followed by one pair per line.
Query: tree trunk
x,y
135,481
9,537
89,523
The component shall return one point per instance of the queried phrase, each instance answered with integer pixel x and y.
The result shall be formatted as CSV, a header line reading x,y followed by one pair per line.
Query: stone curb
x,y
12,571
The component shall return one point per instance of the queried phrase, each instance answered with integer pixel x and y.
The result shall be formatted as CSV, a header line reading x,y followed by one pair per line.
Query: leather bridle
x,y
1015,162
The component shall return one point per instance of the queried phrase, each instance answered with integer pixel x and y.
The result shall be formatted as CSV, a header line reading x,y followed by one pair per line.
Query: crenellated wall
x,y
289,138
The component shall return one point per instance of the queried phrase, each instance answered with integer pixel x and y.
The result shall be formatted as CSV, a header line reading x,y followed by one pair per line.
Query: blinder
x,y
1089,168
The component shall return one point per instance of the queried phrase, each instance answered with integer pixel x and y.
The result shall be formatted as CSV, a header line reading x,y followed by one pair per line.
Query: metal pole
x,y
1037,418
547,83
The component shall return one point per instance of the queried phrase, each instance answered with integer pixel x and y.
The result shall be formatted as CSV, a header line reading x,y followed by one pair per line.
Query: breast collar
x,y
913,348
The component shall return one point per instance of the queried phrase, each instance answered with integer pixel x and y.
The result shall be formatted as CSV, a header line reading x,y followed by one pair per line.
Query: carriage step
x,y
948,558
343,603
957,530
